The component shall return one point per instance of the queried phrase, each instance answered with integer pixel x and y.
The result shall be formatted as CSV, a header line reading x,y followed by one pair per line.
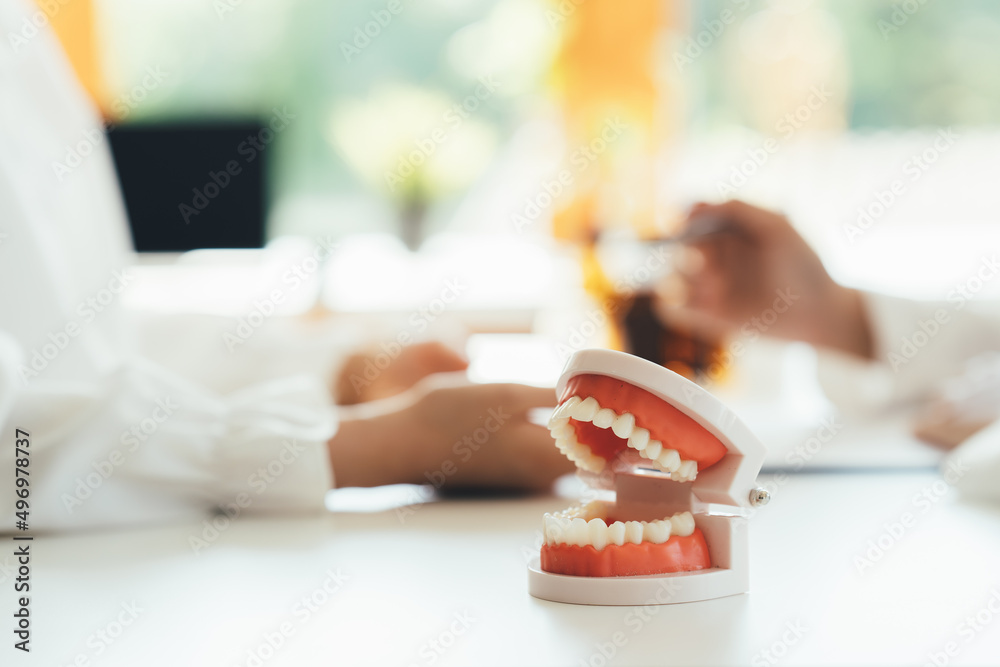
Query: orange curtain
x,y
606,78
74,25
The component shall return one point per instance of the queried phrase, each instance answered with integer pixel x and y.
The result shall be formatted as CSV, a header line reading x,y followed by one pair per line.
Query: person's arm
x,y
448,432
874,349
386,403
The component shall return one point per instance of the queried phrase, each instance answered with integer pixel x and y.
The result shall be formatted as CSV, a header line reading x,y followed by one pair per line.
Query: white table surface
x,y
409,576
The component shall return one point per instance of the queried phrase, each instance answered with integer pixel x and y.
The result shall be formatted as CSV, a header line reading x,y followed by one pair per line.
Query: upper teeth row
x,y
574,528
624,426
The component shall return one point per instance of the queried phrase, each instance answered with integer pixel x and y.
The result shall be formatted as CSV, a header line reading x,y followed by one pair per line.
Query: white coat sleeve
x,y
917,346
139,445
114,439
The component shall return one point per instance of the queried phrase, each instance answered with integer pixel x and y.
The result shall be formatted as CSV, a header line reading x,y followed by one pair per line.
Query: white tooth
x,y
576,534
562,530
688,470
553,530
633,532
555,420
639,439
668,528
594,464
670,459
623,425
616,533
557,530
595,509
604,418
582,451
563,429
682,524
562,412
585,410
656,532
653,450
598,533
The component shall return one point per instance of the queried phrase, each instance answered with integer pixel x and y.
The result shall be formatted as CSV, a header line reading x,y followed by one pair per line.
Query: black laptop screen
x,y
189,187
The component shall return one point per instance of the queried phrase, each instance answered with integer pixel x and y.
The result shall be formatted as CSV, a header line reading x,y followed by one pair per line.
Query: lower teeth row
x,y
586,525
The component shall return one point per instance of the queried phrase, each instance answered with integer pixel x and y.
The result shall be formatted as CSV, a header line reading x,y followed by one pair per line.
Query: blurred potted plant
x,y
412,146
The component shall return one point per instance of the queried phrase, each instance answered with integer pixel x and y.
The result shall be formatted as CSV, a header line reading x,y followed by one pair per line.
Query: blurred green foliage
x,y
940,68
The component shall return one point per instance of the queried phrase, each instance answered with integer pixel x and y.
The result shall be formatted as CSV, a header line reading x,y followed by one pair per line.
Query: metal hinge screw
x,y
759,497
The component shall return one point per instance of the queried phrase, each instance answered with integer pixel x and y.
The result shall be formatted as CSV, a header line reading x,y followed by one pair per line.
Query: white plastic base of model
x,y
728,547
634,591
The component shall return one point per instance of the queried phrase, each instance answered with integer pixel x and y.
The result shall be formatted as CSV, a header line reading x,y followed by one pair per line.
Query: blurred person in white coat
x,y
876,351
118,439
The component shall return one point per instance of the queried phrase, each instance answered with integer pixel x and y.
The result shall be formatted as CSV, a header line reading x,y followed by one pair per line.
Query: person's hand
x,y
754,273
375,374
946,429
449,432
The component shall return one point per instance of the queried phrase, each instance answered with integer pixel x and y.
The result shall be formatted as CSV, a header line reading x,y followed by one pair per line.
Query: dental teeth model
x,y
667,448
